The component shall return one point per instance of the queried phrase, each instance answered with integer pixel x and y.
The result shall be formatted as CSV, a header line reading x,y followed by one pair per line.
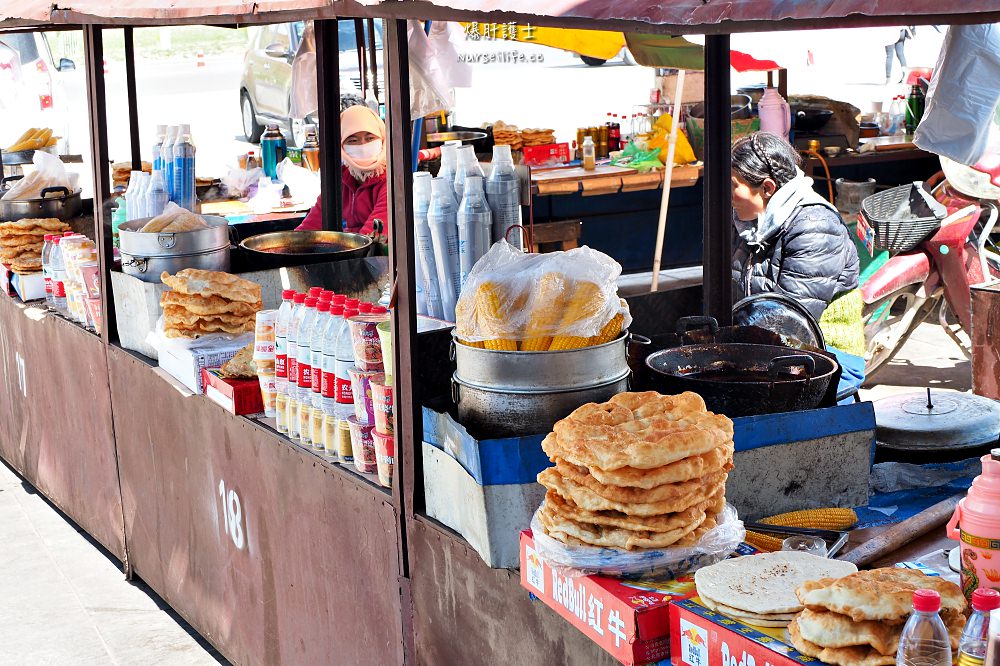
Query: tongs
x,y
834,540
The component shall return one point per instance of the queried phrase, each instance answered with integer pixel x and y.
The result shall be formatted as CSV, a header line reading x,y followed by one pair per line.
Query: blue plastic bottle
x,y
183,156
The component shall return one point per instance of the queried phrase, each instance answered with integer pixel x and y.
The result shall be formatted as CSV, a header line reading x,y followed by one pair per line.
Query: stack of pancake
x,y
642,470
21,242
208,302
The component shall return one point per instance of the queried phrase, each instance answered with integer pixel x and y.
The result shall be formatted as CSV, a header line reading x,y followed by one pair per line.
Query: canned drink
x,y
281,405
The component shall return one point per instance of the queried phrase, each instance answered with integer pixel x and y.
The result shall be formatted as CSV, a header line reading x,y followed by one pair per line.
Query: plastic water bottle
x,y
344,408
503,192
442,217
304,355
167,155
157,198
468,165
183,175
132,204
425,244
475,224
161,134
298,311
925,640
281,358
976,635
58,275
328,386
449,160
47,266
323,320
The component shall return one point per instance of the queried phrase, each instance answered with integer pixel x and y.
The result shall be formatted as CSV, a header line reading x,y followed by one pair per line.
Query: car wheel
x,y
592,62
251,128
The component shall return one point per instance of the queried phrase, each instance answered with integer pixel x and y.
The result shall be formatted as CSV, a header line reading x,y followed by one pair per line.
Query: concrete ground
x,y
928,358
64,599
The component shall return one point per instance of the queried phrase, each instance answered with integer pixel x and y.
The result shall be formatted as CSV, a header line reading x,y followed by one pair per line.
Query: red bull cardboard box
x,y
629,619
702,637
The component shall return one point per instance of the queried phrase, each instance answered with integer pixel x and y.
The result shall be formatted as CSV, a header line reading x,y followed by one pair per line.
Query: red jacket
x,y
362,203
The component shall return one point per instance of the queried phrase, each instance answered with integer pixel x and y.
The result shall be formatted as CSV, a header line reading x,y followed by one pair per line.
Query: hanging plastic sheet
x,y
435,69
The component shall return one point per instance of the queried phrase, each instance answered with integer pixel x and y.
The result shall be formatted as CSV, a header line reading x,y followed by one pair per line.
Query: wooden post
x,y
328,89
718,207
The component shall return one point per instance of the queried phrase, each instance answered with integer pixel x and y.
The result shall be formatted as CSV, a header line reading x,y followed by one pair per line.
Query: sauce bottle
x,y
976,524
589,153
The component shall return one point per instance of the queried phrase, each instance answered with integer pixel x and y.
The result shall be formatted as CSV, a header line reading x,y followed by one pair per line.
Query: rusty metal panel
x,y
61,437
466,613
986,340
273,555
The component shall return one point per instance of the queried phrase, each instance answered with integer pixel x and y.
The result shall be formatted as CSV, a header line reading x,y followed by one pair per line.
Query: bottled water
x,y
328,385
58,275
167,155
183,156
161,134
925,640
475,224
157,198
504,196
975,636
304,356
298,312
47,267
344,408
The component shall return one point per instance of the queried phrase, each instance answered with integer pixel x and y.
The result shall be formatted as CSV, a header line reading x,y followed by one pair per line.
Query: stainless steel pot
x,y
57,202
147,255
489,413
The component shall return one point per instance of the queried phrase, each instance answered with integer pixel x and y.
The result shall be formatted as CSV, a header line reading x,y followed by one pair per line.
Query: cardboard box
x,y
29,287
241,397
629,619
702,637
5,276
553,154
186,363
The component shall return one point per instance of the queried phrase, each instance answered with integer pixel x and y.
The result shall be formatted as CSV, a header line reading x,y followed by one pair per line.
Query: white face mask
x,y
365,152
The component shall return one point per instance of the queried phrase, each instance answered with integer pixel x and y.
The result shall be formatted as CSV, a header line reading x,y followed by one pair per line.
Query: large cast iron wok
x,y
294,248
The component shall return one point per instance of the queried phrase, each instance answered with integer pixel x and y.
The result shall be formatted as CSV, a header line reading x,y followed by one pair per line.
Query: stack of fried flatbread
x,y
208,302
857,620
538,137
507,135
21,242
642,470
760,589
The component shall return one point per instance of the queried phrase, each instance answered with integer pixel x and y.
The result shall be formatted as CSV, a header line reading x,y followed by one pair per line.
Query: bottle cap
x,y
69,233
310,302
56,239
315,291
985,600
352,303
364,308
328,294
379,309
287,294
299,298
350,312
48,238
323,306
337,309
926,601
339,298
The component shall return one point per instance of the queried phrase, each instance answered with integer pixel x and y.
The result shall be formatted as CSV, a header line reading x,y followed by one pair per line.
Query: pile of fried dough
x,y
857,620
208,302
642,470
21,242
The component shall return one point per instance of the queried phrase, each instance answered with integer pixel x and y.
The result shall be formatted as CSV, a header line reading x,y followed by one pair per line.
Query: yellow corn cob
x,y
824,519
469,343
24,137
546,312
492,318
586,302
763,542
43,138
610,331
501,344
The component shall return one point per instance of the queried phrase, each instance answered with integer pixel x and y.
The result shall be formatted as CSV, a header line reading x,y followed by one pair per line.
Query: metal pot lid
x,y
951,421
782,315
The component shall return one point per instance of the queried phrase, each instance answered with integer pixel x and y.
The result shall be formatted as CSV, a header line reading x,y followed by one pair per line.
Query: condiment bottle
x,y
975,636
976,525
589,153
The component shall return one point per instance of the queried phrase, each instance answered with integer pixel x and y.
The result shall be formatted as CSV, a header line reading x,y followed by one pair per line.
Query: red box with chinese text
x,y
241,397
553,154
702,637
628,619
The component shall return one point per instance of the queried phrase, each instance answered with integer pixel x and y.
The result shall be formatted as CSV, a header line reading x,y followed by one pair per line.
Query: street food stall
x,y
278,552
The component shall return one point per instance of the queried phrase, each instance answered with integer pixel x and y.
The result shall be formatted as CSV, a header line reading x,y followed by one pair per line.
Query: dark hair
x,y
764,155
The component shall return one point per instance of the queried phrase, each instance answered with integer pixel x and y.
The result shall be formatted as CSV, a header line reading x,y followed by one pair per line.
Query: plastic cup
x,y
385,457
363,445
269,392
263,343
361,389
365,340
385,340
382,399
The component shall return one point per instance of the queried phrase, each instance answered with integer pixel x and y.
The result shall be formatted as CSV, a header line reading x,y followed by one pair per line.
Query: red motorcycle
x,y
933,276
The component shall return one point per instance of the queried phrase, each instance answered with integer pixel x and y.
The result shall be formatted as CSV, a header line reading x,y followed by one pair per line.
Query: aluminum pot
x,y
147,255
57,202
488,413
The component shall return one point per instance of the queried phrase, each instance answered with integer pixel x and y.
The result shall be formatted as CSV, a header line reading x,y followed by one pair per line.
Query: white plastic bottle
x,y
503,192
468,165
298,311
304,356
167,155
281,357
142,195
47,266
183,156
442,217
58,276
925,640
157,198
475,226
132,204
161,134
345,396
316,361
975,637
329,380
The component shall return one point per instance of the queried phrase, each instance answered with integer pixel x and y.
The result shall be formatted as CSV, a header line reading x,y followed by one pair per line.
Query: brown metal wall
x,y
986,341
317,577
466,613
56,431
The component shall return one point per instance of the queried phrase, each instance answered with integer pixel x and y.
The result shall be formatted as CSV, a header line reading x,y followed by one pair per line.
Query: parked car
x,y
266,85
31,92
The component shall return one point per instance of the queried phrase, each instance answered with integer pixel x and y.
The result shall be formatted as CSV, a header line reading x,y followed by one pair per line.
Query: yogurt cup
x,y
263,343
385,339
382,399
363,445
365,340
269,392
385,457
361,388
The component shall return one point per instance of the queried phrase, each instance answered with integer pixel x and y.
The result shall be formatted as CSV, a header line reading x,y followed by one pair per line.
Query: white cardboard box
x,y
185,363
30,287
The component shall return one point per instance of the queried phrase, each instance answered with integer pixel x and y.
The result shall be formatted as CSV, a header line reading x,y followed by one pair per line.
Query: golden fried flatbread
x,y
195,281
176,316
33,224
240,366
587,499
22,240
638,495
878,594
186,223
693,467
662,523
25,251
206,326
846,656
641,430
210,305
773,620
559,526
26,263
833,630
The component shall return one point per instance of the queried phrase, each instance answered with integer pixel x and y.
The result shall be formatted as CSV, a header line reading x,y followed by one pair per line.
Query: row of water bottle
x,y
457,217
172,179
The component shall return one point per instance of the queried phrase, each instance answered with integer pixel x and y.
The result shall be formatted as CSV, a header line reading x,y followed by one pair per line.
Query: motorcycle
x,y
934,276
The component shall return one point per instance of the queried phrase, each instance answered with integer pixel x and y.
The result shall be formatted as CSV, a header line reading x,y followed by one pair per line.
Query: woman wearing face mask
x,y
363,186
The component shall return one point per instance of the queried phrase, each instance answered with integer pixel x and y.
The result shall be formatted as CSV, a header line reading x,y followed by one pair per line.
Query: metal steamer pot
x,y
513,393
147,255
57,202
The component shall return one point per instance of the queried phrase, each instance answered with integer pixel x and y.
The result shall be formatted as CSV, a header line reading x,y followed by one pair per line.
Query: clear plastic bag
x,y
666,563
518,297
49,172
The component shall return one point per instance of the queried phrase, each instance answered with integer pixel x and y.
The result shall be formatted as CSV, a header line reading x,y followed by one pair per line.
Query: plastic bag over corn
x,y
515,301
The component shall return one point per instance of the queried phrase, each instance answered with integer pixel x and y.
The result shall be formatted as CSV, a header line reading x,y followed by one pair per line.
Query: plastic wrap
x,y
514,296
49,172
667,563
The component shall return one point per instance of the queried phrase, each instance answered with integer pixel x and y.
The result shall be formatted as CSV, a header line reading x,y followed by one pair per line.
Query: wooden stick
x,y
667,179
903,533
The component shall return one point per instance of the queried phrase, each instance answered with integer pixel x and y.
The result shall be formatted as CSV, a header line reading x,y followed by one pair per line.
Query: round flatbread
x,y
775,620
692,467
628,495
765,584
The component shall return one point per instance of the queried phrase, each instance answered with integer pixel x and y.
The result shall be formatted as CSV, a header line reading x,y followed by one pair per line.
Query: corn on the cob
x,y
586,302
489,309
610,331
763,542
825,519
546,312
472,343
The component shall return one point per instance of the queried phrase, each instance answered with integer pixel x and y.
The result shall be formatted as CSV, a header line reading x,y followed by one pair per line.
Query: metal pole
x,y
97,109
668,177
133,104
372,62
328,96
359,40
718,205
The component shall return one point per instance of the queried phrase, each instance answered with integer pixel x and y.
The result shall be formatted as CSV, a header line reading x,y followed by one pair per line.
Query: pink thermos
x,y
775,116
976,524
